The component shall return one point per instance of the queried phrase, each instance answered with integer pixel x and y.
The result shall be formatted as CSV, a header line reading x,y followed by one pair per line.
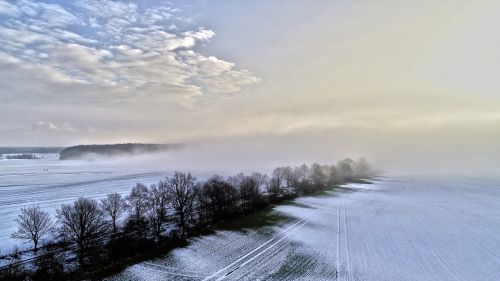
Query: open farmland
x,y
399,228
50,183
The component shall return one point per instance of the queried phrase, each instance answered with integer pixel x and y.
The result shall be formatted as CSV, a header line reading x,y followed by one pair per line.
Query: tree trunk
x,y
183,224
80,253
158,230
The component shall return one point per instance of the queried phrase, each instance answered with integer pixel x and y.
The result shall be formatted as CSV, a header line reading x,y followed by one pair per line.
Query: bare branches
x,y
82,222
33,224
114,205
156,207
138,201
181,190
219,197
249,192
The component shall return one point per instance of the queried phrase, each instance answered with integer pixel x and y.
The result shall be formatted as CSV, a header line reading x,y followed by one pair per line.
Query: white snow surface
x,y
50,183
399,228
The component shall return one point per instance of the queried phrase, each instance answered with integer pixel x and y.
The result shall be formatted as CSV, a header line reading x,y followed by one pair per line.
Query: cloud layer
x,y
406,83
109,51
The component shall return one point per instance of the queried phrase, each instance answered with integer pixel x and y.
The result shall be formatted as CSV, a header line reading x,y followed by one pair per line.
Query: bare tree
x,y
156,207
279,176
137,201
302,173
345,169
114,206
164,197
274,188
33,224
219,197
362,168
249,192
202,209
299,178
288,176
81,222
236,180
318,178
181,190
332,175
262,179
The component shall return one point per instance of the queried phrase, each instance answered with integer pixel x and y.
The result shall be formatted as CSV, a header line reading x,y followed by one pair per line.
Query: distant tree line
x,y
30,150
21,156
111,150
105,234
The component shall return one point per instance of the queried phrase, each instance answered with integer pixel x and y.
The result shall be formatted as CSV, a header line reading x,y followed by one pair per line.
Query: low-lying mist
x,y
208,158
391,153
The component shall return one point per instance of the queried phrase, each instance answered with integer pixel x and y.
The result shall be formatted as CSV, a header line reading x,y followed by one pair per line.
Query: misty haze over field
x,y
408,85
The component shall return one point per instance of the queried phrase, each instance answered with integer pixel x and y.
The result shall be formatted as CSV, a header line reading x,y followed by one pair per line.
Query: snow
x,y
399,228
50,183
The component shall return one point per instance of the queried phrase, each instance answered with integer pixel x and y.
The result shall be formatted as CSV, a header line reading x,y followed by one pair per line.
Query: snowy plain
x,y
399,228
50,183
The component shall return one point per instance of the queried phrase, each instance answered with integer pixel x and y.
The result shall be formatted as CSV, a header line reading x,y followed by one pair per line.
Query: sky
x,y
411,85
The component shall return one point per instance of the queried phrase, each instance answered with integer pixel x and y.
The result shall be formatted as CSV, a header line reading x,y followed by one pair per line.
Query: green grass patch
x,y
257,219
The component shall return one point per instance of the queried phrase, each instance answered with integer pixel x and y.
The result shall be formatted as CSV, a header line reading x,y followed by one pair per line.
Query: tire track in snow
x,y
249,253
265,264
169,268
338,243
156,267
219,274
262,252
348,275
348,254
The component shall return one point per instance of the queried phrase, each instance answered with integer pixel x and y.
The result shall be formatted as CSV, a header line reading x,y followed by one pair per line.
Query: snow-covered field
x,y
50,183
399,228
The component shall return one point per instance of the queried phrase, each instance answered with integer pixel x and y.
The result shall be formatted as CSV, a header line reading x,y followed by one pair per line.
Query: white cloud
x,y
109,9
202,34
217,75
56,16
93,22
52,127
8,9
41,126
46,15
116,45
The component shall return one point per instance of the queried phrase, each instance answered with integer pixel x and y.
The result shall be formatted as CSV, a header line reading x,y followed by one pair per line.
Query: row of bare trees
x,y
304,179
178,205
